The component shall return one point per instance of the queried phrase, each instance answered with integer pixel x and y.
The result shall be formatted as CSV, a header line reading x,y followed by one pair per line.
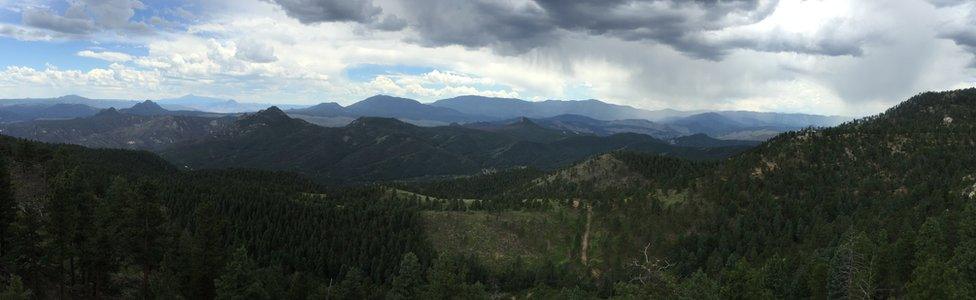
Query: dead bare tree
x,y
651,270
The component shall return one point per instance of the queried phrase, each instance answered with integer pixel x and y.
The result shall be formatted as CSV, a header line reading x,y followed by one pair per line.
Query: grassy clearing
x,y
500,237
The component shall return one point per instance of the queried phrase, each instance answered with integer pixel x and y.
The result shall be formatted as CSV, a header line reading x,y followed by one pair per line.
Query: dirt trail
x,y
586,234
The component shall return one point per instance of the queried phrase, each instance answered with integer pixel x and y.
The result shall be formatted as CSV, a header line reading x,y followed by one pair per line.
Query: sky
x,y
835,57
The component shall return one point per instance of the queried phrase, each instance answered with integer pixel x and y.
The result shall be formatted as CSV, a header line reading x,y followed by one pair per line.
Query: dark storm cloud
x,y
358,11
505,27
654,18
514,27
316,11
520,27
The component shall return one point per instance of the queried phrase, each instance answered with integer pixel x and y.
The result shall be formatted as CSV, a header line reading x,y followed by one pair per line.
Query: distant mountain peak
x,y
148,104
71,97
325,105
388,98
146,108
273,110
269,116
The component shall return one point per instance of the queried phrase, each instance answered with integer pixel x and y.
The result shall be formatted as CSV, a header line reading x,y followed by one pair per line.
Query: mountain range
x,y
585,117
582,117
375,148
185,103
368,148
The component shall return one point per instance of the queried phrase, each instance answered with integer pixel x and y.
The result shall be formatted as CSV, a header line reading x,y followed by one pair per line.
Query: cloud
x,y
960,27
511,27
254,51
943,3
701,29
356,11
114,79
106,55
436,84
45,19
86,17
390,23
24,33
679,24
816,56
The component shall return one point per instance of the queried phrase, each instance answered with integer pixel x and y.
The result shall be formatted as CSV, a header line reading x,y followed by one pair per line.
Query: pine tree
x,y
446,280
409,279
699,286
745,282
108,224
355,285
61,223
144,231
935,279
26,256
965,254
206,252
239,280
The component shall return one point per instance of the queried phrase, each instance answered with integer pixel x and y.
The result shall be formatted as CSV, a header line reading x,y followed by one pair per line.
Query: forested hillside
x,y
879,207
81,223
882,207
380,149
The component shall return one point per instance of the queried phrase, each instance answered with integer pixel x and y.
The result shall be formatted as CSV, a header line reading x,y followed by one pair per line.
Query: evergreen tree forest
x,y
882,207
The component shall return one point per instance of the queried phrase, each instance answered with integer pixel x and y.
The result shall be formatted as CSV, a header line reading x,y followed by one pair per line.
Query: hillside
x,y
885,179
524,129
30,112
390,107
150,108
111,128
704,141
112,204
384,148
582,125
886,199
367,149
505,108
69,99
882,207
